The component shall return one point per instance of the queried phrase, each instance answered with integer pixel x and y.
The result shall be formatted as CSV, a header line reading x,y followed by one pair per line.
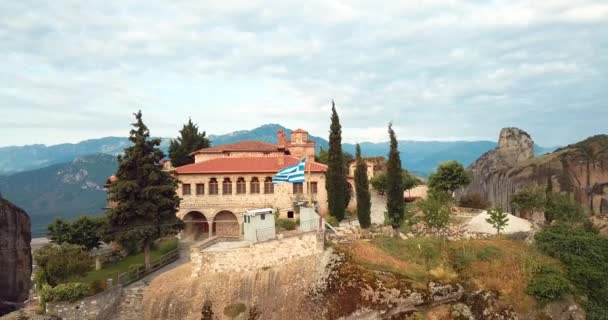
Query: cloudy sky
x,y
439,69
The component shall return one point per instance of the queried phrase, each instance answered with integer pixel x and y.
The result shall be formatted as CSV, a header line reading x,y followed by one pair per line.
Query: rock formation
x,y
15,256
580,169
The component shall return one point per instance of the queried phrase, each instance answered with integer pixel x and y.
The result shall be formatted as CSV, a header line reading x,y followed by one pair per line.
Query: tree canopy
x,y
336,185
190,140
145,196
395,206
449,177
362,190
410,181
84,231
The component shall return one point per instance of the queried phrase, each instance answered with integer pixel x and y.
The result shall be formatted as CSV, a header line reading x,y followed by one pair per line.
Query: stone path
x,y
131,305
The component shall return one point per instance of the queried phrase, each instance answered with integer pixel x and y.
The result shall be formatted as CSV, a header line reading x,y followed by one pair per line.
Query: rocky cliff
x,y
15,256
580,169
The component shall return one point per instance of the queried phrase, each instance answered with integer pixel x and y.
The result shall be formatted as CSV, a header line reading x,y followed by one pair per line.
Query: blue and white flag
x,y
292,174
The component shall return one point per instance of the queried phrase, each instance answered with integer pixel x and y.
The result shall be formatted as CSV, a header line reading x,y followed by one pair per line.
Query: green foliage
x,y
449,177
488,253
190,140
364,204
336,184
548,284
473,200
71,292
410,181
57,263
145,196
394,183
167,246
462,259
563,207
584,254
286,224
435,209
234,310
332,220
529,200
84,231
498,219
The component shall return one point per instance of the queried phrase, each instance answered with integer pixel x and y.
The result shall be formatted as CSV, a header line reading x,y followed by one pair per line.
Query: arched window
x,y
254,186
268,186
227,186
213,188
240,186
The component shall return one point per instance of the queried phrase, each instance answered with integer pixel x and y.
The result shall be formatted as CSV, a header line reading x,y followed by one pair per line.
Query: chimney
x,y
281,141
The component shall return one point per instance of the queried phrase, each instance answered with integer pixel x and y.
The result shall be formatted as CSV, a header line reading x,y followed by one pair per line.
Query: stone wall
x,y
99,307
256,256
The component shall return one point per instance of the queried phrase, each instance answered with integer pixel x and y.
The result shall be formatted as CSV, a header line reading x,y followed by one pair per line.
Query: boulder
x,y
15,256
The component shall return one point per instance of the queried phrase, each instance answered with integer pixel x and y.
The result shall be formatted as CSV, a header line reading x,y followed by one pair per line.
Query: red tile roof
x,y
247,165
240,146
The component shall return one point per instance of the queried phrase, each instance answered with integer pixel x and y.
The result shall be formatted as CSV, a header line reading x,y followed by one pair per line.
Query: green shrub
x,y
57,263
548,284
234,309
71,291
287,224
473,200
331,220
462,259
584,254
488,253
167,246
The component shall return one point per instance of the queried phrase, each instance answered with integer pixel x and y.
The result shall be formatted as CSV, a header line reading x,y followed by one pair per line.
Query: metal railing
x,y
265,234
140,272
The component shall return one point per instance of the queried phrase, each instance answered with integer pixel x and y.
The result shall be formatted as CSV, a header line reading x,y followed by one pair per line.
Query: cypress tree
x,y
190,140
394,184
145,196
362,187
336,185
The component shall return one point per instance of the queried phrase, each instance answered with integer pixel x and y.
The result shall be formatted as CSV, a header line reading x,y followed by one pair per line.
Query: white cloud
x,y
440,69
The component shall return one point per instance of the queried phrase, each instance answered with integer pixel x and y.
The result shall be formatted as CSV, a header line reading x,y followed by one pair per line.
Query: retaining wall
x,y
97,307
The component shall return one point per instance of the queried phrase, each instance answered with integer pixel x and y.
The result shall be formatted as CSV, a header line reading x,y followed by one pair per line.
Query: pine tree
x,y
362,188
146,201
394,184
498,219
336,185
190,140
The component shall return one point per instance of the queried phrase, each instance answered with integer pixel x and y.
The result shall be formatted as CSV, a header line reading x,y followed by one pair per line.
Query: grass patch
x,y
98,278
496,264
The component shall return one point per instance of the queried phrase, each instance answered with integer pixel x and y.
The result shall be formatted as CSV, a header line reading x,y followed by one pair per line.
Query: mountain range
x,y
67,179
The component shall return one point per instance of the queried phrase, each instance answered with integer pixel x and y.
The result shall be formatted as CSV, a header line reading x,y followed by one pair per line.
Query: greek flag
x,y
292,174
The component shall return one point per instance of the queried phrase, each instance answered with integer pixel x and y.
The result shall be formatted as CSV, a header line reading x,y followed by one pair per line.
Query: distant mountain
x,y
418,156
67,190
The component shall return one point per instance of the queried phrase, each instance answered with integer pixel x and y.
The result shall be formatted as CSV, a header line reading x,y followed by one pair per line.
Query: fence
x,y
140,272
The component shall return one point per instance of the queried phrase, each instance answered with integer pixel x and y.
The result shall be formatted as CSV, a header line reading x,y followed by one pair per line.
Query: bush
x,y
436,209
287,224
234,310
57,263
167,245
548,284
488,253
473,200
331,220
584,254
462,260
71,291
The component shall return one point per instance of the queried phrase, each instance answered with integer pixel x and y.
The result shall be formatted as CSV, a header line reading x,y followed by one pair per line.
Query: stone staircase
x,y
131,305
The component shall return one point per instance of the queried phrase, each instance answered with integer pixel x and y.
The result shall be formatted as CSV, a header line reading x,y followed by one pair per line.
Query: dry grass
x,y
507,270
509,273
